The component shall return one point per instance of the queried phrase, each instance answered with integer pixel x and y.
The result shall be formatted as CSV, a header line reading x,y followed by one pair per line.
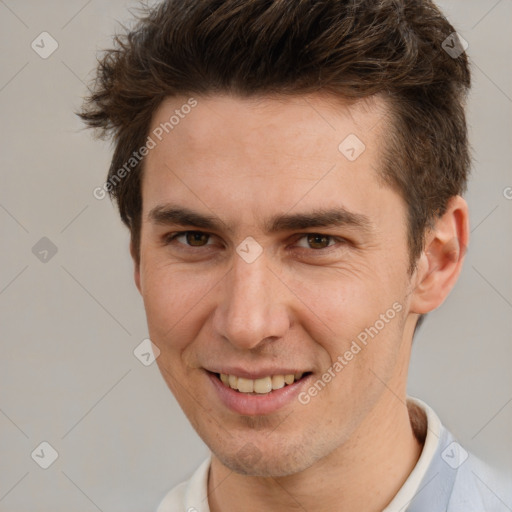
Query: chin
x,y
269,462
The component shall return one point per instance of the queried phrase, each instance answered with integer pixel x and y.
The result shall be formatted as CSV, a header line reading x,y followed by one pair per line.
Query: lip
x,y
255,405
255,374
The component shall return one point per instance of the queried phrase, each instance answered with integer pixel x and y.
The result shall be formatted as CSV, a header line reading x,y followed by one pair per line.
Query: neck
x,y
363,474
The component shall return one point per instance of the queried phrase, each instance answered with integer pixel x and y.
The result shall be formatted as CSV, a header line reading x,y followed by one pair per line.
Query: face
x,y
268,251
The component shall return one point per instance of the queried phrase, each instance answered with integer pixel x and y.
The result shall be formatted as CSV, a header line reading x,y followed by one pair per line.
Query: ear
x,y
442,258
136,265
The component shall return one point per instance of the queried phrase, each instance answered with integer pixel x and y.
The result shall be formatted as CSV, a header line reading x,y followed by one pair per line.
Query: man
x,y
291,174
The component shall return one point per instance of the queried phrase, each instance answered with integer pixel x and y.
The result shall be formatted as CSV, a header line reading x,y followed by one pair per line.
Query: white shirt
x,y
191,495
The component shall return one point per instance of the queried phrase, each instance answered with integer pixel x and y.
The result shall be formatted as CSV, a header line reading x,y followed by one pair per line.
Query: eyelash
x,y
168,239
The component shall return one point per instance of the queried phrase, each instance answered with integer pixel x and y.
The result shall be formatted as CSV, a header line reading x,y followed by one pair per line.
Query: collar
x,y
426,426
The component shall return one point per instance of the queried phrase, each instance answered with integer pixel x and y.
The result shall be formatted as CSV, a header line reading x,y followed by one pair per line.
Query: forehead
x,y
226,152
304,124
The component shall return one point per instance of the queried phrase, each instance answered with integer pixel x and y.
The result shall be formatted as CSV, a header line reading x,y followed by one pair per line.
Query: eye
x,y
192,238
317,241
313,241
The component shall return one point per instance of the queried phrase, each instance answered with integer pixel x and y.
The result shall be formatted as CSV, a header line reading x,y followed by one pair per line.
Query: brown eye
x,y
316,241
196,238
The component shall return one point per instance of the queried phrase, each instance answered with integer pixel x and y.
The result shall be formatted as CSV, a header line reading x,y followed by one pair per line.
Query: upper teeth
x,y
263,385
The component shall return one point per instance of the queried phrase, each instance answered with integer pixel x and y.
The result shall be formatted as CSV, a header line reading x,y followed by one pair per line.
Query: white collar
x,y
411,486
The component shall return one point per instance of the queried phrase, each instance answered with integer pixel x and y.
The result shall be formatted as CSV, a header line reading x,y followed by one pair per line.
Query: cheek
x,y
340,301
173,302
345,306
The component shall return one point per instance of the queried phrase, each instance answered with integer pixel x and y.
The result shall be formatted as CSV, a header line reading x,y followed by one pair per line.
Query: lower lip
x,y
254,405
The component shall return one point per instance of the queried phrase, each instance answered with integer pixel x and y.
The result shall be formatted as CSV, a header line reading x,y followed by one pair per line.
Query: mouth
x,y
260,395
262,386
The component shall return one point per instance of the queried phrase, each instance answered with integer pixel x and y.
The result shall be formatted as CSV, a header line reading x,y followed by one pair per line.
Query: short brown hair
x,y
350,48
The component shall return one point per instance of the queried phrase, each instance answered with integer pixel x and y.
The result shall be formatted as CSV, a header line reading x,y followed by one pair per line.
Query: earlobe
x,y
441,261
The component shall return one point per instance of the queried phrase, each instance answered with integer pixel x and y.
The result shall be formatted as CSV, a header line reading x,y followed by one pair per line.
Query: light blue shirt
x,y
457,481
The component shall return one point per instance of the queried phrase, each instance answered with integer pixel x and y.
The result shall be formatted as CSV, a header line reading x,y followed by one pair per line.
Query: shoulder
x,y
452,478
470,483
478,482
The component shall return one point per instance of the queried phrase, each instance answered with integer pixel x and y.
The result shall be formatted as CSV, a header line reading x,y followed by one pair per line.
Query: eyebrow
x,y
317,218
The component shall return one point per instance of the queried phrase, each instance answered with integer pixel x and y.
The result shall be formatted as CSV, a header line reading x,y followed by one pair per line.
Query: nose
x,y
251,306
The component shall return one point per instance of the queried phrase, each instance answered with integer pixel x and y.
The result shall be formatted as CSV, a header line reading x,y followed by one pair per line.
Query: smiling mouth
x,y
262,386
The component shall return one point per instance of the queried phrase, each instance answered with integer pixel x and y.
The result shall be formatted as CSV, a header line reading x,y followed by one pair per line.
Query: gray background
x,y
69,325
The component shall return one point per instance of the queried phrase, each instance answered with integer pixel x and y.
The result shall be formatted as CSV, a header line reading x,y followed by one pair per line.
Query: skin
x,y
301,303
